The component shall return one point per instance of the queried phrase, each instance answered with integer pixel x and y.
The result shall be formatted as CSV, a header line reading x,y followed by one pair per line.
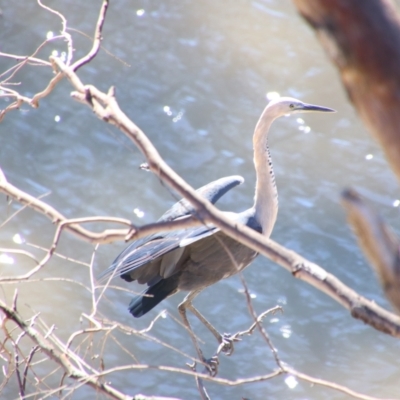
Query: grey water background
x,y
195,77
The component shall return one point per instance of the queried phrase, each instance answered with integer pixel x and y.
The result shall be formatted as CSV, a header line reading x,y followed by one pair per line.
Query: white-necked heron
x,y
197,257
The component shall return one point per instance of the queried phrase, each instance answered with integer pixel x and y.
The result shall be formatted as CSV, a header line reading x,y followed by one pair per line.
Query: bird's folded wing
x,y
213,191
136,256
149,248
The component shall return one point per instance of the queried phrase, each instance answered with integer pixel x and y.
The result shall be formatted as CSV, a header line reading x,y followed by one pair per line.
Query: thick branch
x,y
363,40
378,241
73,225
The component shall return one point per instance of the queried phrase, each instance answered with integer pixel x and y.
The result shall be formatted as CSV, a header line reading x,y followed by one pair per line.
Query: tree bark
x,y
378,242
362,38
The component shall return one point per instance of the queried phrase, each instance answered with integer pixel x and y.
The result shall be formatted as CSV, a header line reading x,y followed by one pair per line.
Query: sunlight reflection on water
x,y
198,80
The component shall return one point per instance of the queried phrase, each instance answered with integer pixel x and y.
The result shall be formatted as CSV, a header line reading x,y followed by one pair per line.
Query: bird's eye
x,y
291,106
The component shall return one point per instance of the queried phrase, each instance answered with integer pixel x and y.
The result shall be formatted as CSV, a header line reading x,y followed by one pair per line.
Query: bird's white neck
x,y
266,197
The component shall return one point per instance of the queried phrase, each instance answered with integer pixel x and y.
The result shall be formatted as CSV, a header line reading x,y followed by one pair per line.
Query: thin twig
x,y
250,330
20,209
20,252
97,38
73,225
64,32
92,282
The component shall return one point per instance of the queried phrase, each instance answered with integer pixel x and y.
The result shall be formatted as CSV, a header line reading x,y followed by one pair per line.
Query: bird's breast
x,y
213,259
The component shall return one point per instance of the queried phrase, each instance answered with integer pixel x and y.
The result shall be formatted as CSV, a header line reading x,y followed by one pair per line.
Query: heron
x,y
194,258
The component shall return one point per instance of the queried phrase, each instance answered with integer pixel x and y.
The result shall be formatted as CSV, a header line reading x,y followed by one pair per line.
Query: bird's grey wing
x,y
156,258
146,250
213,191
161,257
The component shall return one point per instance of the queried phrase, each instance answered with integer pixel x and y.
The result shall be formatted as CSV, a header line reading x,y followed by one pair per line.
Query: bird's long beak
x,y
312,107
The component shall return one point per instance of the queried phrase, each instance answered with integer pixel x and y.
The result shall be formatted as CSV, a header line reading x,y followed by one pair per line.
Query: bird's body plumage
x,y
195,258
187,260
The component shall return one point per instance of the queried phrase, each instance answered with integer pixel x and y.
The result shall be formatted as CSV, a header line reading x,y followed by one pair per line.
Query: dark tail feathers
x,y
157,293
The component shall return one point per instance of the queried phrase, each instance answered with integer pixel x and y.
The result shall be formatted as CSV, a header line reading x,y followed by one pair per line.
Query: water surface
x,y
194,76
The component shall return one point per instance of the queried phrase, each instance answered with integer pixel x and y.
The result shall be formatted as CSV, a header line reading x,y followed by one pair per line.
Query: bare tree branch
x,y
34,101
97,38
62,359
72,225
21,252
331,385
64,32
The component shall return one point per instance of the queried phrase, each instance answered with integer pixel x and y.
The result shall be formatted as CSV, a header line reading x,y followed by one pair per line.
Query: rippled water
x,y
194,76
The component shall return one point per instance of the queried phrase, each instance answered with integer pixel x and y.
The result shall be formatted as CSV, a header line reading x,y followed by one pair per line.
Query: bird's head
x,y
288,105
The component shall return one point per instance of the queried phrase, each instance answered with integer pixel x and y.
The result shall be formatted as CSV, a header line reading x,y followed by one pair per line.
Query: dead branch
x,y
64,32
331,385
73,225
20,252
97,38
63,359
249,331
66,360
23,60
34,101
282,367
